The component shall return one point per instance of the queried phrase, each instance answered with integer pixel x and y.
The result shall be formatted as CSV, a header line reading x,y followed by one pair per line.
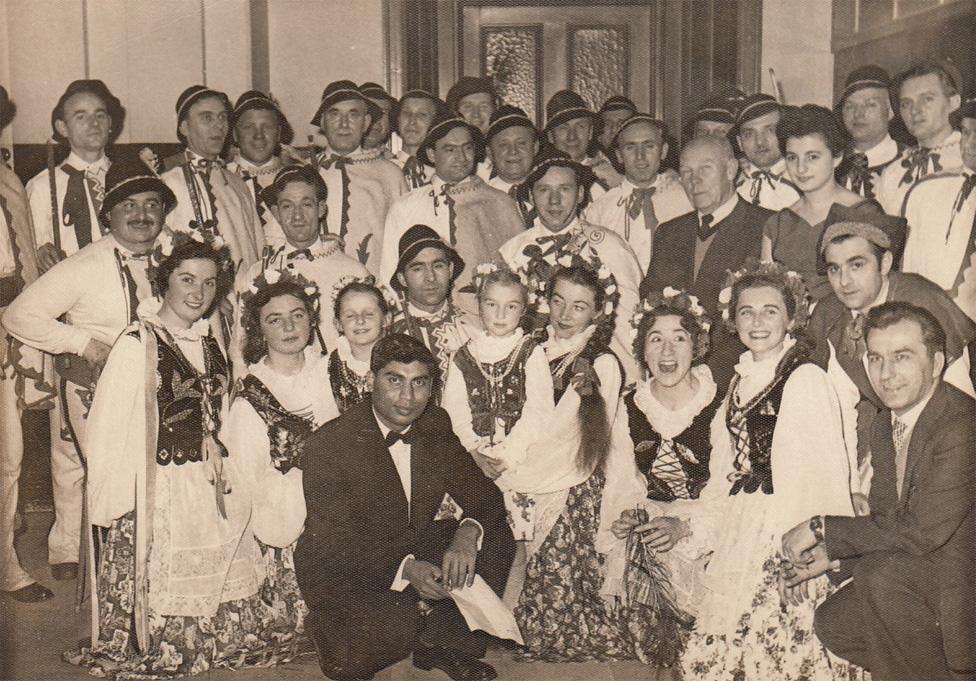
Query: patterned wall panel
x,y
512,56
598,62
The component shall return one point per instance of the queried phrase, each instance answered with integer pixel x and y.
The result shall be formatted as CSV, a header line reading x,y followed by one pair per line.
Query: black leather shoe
x,y
455,664
32,593
64,571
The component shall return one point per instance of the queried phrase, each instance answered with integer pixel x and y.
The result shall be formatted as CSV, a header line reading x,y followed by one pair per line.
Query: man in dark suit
x,y
694,252
385,485
908,612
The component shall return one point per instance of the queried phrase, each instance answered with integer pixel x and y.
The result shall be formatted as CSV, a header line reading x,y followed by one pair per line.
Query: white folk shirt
x,y
892,189
89,289
610,210
8,265
401,158
939,229
775,189
39,198
258,178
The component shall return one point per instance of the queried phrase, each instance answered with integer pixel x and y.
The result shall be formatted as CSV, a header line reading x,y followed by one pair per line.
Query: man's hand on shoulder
x,y
425,578
461,557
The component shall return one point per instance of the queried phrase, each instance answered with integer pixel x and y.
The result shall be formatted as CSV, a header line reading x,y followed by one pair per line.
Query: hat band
x,y
129,180
766,102
574,109
511,117
193,98
426,240
263,100
868,82
331,95
450,122
713,110
862,229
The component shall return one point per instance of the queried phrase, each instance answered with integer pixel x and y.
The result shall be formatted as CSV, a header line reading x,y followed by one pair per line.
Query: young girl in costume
x,y
283,397
362,316
778,457
498,392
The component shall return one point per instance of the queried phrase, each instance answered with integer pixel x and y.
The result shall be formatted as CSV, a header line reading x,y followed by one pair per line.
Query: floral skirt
x,y
771,641
235,636
560,612
279,591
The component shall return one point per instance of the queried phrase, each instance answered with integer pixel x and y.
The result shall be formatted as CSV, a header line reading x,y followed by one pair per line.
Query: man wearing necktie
x,y
512,142
858,252
645,198
470,216
259,128
412,117
927,95
694,251
865,108
75,311
362,184
297,201
397,513
908,611
209,197
941,214
762,180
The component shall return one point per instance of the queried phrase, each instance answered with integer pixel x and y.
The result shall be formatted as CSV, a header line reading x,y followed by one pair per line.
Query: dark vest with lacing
x,y
498,405
761,413
348,388
647,442
179,396
287,432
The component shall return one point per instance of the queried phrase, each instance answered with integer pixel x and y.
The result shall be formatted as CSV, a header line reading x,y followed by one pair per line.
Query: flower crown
x,y
571,251
482,271
271,276
791,280
347,279
170,239
676,300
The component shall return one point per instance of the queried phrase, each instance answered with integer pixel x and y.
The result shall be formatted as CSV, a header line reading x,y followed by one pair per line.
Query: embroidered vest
x,y
561,382
759,417
647,442
179,394
348,387
287,432
496,391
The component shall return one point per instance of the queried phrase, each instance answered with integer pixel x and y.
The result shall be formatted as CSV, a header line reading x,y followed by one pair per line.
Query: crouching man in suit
x,y
398,512
908,611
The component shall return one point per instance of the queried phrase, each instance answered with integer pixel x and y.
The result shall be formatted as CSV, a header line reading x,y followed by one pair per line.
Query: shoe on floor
x,y
455,664
32,593
64,572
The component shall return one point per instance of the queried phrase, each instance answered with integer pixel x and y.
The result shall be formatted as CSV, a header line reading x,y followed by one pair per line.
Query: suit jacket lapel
x,y
377,457
884,488
921,435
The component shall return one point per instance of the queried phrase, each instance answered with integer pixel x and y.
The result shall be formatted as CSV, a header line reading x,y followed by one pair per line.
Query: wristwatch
x,y
817,527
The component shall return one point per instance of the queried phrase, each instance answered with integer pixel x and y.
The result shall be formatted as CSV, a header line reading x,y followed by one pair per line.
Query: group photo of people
x,y
700,400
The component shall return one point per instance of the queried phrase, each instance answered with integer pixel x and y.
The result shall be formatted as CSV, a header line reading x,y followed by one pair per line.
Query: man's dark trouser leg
x,y
887,619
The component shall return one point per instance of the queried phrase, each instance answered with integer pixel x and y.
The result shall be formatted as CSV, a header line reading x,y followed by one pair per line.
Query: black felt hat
x,y
376,91
470,85
443,124
753,107
98,88
255,99
564,106
720,107
640,118
863,77
191,96
550,157
416,239
128,176
508,116
618,103
341,91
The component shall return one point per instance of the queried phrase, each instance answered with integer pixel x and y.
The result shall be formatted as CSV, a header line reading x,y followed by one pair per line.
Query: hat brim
x,y
137,185
430,140
859,85
412,252
372,108
569,115
585,176
513,121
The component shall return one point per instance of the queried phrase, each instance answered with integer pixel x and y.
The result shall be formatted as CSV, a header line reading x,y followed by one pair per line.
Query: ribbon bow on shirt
x,y
965,190
449,201
339,163
916,164
414,173
758,177
74,211
301,253
641,201
205,165
859,174
408,437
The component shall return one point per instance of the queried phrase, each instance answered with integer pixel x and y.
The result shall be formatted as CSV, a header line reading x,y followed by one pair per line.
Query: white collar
x,y
953,140
910,417
321,248
383,428
97,166
883,152
438,183
435,315
545,231
557,347
358,366
148,311
748,367
627,187
778,168
488,348
272,165
722,211
329,151
264,371
669,423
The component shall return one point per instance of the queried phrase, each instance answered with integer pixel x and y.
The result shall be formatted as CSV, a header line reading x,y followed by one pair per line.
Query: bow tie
x,y
636,201
301,253
205,164
916,164
334,160
408,437
859,173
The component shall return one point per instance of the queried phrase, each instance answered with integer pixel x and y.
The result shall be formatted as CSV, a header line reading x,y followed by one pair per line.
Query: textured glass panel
x,y
511,58
598,63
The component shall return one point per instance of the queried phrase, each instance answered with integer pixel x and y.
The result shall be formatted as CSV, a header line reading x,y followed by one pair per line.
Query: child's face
x,y
501,307
360,318
762,321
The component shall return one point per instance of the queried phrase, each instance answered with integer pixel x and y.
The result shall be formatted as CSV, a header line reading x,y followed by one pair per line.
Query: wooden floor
x,y
33,637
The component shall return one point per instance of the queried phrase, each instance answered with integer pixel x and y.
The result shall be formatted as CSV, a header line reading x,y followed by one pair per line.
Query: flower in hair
x,y
271,276
791,281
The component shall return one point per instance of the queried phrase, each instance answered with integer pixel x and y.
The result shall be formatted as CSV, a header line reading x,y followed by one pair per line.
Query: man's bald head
x,y
708,169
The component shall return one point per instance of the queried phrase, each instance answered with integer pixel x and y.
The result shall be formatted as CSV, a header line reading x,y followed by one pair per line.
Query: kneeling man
x,y
397,513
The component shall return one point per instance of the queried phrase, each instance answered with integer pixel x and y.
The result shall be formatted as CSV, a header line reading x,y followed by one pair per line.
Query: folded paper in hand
x,y
483,609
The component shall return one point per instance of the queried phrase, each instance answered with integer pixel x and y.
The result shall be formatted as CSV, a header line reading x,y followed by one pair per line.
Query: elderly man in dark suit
x,y
908,612
397,513
694,251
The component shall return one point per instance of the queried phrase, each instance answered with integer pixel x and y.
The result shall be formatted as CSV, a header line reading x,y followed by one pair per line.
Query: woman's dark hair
x,y
196,250
594,426
399,347
811,119
760,280
360,287
699,337
255,344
